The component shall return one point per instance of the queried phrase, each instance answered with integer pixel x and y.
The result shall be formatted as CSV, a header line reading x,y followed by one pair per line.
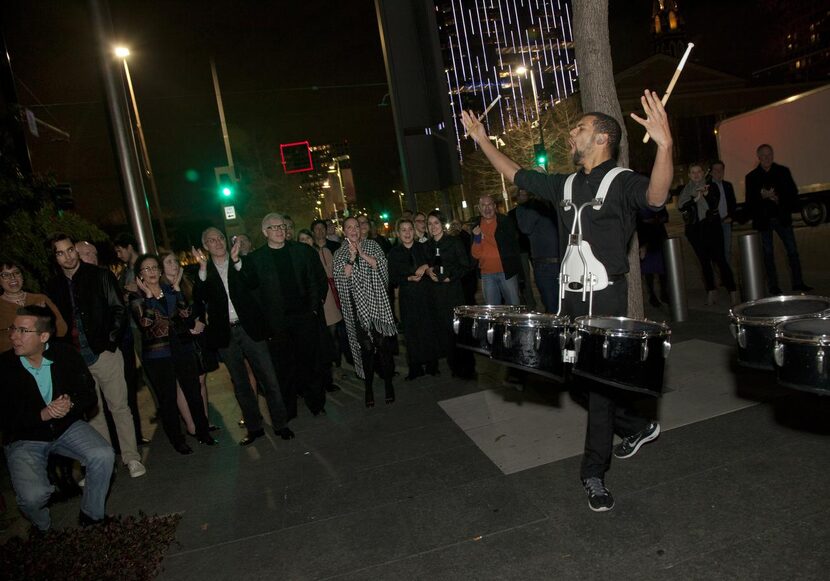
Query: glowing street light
x,y
122,52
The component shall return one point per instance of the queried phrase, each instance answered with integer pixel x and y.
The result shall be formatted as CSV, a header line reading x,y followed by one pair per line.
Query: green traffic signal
x,y
227,192
384,216
540,154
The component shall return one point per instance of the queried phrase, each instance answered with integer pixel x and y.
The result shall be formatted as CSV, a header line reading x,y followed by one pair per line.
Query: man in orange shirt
x,y
496,247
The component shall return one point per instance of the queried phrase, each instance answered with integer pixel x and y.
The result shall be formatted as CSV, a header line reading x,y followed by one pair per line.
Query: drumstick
x,y
676,76
483,115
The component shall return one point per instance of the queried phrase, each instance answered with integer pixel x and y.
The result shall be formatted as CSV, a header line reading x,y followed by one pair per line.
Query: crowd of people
x,y
283,315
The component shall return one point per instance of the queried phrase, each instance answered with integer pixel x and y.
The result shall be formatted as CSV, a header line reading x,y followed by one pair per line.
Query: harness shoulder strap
x,y
567,202
605,185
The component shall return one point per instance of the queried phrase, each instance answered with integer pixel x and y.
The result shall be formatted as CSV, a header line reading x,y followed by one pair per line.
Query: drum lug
x,y
490,332
505,338
605,347
475,327
577,345
644,350
741,334
666,348
820,361
779,354
456,325
563,339
538,341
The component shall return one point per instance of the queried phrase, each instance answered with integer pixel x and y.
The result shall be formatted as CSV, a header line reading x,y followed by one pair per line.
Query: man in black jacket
x,y
726,204
292,286
235,326
90,301
45,390
771,197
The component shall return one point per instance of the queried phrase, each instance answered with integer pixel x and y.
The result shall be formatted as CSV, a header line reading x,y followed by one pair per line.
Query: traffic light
x,y
540,154
384,216
226,186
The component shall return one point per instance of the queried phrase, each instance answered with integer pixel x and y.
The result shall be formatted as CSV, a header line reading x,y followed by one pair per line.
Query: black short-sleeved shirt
x,y
609,229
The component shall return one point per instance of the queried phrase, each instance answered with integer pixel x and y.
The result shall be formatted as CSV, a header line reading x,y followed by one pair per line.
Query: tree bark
x,y
598,93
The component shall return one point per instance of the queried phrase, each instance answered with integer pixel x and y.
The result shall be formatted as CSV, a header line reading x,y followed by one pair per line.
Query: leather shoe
x,y
285,433
332,387
207,441
183,449
86,521
251,437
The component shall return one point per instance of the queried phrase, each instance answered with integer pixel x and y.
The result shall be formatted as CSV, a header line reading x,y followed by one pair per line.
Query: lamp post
x,y
400,198
529,73
122,53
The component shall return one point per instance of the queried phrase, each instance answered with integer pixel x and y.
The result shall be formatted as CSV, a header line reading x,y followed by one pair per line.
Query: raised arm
x,y
657,125
503,164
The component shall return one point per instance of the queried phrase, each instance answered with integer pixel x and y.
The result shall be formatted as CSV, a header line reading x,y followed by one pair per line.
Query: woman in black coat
x,y
448,262
408,266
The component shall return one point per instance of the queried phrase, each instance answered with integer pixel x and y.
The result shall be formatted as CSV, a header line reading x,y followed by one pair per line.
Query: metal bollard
x,y
677,285
752,267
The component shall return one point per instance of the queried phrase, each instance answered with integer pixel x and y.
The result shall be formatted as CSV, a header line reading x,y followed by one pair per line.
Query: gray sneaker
x,y
629,446
599,498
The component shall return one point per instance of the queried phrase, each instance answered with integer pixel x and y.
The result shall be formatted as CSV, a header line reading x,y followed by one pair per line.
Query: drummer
x,y
594,144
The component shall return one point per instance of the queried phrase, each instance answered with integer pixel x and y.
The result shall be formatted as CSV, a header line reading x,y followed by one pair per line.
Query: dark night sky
x,y
269,56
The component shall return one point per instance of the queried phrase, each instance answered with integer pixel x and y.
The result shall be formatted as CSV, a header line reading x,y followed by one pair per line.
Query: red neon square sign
x,y
296,157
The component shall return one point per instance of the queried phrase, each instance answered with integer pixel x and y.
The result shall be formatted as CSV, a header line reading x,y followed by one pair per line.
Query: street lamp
x,y
123,52
400,198
522,70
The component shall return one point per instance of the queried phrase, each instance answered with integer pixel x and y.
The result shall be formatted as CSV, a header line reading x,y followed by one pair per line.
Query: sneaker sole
x,y
600,509
639,445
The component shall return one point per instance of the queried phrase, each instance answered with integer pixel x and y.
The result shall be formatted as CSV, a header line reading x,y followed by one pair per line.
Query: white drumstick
x,y
483,115
674,78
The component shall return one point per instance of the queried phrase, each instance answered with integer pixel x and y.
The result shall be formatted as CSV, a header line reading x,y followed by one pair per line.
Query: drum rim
x,y
740,319
469,309
527,317
781,334
664,329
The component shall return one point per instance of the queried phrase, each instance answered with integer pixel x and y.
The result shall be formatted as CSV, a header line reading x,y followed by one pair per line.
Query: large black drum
x,y
470,324
753,324
802,350
626,353
531,341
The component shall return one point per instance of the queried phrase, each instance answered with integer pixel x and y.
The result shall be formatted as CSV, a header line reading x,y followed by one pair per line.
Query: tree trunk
x,y
598,93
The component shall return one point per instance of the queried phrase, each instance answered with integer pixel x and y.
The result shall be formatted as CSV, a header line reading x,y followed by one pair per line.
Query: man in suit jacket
x,y
771,197
292,286
726,204
235,327
45,390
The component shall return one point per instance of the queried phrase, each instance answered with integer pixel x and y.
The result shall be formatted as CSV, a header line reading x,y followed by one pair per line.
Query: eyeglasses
x,y
150,269
282,227
12,330
214,240
68,252
11,275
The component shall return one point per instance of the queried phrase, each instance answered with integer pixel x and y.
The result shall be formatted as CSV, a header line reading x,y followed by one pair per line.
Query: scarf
x,y
366,291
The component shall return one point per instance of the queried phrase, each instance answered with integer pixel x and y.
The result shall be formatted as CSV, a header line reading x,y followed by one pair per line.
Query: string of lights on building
x,y
491,47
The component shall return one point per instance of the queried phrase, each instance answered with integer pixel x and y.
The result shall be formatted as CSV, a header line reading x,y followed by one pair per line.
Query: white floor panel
x,y
517,433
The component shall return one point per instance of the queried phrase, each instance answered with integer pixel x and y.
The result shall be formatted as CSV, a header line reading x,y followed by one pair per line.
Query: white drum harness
x,y
580,270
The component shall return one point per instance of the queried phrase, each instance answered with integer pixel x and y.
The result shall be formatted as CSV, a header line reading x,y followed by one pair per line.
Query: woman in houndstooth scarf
x,y
361,275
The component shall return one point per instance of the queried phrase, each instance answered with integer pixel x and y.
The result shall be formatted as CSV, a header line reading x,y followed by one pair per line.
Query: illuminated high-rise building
x,y
484,42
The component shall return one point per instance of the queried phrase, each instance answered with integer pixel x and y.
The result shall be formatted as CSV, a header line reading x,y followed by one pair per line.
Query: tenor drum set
x,y
788,334
625,353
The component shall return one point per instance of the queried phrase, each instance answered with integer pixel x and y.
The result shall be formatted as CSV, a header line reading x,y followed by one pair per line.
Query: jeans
x,y
27,460
788,238
108,373
240,347
547,281
499,290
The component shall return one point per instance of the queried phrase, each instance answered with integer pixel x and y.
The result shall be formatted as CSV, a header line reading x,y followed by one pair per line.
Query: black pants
x,y
610,410
376,354
164,373
706,239
301,364
131,377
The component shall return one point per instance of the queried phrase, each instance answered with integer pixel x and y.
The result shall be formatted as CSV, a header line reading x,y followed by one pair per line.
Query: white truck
x,y
798,129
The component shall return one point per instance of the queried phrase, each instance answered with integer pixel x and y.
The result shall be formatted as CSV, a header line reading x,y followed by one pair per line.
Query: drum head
x,y
621,326
810,330
533,320
488,311
776,309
